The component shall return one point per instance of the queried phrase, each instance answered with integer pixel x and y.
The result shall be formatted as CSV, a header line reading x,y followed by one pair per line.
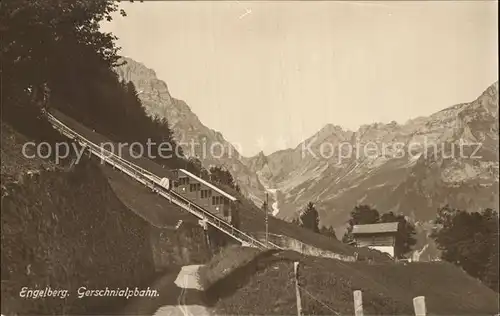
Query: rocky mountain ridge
x,y
449,157
195,138
413,168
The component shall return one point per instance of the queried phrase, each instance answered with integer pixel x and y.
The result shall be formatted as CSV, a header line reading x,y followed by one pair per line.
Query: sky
x,y
268,75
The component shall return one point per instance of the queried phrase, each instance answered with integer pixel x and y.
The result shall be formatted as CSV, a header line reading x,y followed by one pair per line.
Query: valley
x,y
396,176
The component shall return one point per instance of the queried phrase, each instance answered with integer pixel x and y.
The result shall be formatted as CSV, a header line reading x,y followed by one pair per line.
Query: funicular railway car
x,y
164,183
207,195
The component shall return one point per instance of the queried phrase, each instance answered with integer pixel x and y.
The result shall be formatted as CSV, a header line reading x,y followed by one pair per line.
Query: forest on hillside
x,y
56,56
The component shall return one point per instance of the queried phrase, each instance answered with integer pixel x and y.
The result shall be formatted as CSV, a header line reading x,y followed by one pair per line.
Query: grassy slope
x,y
65,229
265,286
14,163
253,221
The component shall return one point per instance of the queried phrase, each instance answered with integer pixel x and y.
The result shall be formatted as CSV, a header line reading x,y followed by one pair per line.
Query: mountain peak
x,y
136,64
492,89
152,91
258,161
331,128
379,125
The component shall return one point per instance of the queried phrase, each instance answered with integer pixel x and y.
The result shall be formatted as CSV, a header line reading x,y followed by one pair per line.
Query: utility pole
x,y
297,288
267,222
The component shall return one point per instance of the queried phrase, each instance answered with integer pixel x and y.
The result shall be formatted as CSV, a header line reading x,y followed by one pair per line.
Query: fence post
x,y
358,303
297,289
419,306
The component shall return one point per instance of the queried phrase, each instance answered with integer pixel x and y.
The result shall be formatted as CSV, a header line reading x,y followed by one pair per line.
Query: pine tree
x,y
222,176
328,231
310,218
361,214
469,240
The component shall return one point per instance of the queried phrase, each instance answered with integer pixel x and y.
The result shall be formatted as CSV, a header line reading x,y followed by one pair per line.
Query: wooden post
x,y
358,303
297,289
419,306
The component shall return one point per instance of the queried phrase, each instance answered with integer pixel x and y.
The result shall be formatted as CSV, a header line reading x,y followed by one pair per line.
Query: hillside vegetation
x,y
264,285
65,229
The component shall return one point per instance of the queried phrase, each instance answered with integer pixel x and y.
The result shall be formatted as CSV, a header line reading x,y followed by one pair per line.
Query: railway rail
x,y
152,181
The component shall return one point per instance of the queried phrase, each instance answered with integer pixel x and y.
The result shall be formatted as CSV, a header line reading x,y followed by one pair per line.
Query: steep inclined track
x,y
152,181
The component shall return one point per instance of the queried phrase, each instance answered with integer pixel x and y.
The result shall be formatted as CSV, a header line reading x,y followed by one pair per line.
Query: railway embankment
x,y
175,236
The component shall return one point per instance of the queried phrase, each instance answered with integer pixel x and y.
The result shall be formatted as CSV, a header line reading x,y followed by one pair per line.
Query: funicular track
x,y
152,181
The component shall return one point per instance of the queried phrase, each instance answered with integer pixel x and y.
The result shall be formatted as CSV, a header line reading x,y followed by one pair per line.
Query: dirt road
x,y
179,294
